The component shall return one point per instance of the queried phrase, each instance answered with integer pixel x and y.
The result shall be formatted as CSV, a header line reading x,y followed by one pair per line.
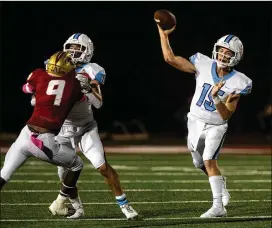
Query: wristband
x,y
216,100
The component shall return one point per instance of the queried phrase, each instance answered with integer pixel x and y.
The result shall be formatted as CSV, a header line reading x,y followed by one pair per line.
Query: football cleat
x,y
129,212
225,193
78,214
58,208
215,212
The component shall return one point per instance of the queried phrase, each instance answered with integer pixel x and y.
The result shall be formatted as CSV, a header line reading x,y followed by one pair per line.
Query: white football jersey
x,y
82,112
202,106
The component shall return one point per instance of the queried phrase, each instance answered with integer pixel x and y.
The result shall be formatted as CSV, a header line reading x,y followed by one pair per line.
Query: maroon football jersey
x,y
55,97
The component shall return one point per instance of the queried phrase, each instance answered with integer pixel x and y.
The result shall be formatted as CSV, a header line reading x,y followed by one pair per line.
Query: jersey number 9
x,y
56,87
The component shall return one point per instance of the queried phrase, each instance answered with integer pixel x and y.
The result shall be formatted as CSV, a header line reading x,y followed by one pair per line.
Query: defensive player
x,y
80,128
56,90
217,92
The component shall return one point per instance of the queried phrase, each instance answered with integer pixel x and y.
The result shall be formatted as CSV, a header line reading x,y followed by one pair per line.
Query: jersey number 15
x,y
208,103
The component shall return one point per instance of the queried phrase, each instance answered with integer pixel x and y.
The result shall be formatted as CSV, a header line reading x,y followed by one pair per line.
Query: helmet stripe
x,y
59,56
228,38
76,35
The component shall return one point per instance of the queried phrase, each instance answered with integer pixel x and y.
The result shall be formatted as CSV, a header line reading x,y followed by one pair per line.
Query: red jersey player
x,y
55,95
56,90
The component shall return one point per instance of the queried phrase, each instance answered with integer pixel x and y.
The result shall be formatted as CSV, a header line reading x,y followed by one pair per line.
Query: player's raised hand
x,y
165,32
217,87
166,21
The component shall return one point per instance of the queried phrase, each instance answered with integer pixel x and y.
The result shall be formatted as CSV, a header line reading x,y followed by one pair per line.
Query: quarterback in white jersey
x,y
80,128
217,92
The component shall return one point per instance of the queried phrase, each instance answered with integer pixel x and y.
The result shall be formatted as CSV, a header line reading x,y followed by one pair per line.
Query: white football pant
x,y
29,144
89,143
204,140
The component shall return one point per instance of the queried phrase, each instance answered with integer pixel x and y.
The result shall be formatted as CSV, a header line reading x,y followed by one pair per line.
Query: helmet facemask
x,y
223,60
77,51
81,48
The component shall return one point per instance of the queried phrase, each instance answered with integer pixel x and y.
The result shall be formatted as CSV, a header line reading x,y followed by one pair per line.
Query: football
x,y
165,19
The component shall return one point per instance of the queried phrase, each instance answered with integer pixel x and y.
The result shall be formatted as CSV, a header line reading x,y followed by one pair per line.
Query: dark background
x,y
139,83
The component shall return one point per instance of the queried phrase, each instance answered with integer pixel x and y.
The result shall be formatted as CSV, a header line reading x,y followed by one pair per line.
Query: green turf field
x,y
165,189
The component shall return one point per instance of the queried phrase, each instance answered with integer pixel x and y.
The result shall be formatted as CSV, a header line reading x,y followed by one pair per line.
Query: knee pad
x,y
77,164
198,164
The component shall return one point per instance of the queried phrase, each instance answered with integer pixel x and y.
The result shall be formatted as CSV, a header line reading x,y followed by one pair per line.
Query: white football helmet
x,y
85,53
232,43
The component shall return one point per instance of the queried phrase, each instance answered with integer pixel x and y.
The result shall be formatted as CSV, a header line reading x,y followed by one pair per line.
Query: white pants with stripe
x,y
25,147
87,139
204,140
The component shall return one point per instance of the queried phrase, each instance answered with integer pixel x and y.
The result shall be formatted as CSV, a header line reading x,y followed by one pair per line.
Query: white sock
x,y
121,200
76,203
216,183
61,198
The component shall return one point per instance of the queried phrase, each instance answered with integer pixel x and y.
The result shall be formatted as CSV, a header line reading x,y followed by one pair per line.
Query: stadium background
x,y
139,84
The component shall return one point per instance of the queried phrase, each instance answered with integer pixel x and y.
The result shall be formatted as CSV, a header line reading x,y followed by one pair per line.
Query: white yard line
x,y
143,202
238,173
137,181
37,165
141,190
121,219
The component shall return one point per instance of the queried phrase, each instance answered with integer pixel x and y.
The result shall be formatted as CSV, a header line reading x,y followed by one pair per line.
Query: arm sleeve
x,y
247,89
197,60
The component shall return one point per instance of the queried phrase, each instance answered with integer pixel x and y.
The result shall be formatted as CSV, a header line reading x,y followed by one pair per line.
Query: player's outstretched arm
x,y
169,56
228,108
